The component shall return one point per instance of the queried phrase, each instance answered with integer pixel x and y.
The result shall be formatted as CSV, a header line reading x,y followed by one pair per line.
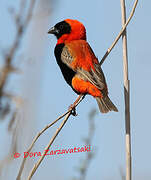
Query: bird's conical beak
x,y
53,30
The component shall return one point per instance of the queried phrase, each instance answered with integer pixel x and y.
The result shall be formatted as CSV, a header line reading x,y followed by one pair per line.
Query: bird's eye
x,y
61,26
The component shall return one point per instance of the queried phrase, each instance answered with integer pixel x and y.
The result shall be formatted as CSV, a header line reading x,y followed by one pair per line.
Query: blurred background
x,y
33,92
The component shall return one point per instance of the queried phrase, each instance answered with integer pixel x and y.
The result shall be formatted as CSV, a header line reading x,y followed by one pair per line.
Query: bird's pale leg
x,y
72,106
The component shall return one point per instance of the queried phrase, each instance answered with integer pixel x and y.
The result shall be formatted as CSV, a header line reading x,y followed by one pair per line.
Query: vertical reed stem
x,y
126,95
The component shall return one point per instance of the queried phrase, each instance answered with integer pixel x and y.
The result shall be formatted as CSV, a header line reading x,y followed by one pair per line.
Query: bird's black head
x,y
60,29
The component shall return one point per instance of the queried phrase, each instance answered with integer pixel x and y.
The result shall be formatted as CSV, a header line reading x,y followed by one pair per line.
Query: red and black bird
x,y
78,63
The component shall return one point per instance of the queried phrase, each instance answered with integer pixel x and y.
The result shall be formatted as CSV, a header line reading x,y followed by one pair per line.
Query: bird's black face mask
x,y
60,29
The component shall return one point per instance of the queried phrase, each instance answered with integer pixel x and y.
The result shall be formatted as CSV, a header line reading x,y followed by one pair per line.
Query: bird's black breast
x,y
67,72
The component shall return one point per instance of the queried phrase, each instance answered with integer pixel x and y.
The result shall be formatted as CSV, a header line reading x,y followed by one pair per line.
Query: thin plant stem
x,y
120,34
48,146
34,141
40,133
126,95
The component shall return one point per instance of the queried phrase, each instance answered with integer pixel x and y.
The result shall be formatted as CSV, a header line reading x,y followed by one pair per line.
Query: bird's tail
x,y
105,104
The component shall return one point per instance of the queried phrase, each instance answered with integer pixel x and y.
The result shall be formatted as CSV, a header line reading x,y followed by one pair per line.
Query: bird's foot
x,y
73,106
73,109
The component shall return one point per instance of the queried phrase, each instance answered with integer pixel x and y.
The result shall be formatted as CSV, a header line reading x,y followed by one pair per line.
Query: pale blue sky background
x,y
102,20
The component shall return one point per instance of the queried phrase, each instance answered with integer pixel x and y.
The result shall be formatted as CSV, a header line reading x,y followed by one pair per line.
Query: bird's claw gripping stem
x,y
72,107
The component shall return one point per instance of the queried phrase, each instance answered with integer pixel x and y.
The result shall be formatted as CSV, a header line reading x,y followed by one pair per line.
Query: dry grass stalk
x,y
34,141
120,33
21,21
20,28
126,95
67,114
51,141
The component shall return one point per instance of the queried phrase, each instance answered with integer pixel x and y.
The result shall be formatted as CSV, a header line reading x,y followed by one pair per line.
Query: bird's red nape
x,y
78,32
